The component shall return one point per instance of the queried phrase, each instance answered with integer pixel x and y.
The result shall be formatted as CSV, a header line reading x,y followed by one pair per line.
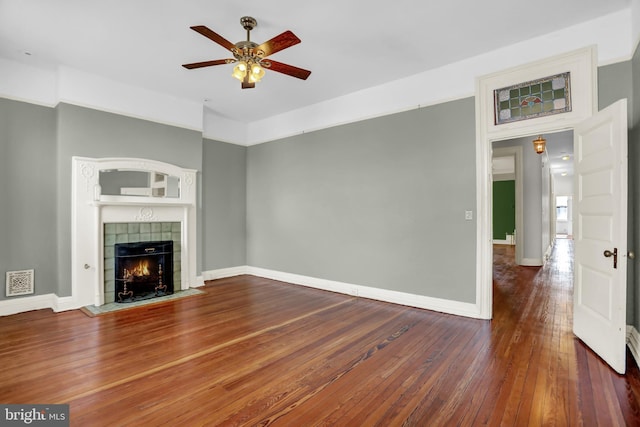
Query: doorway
x,y
581,65
601,183
540,178
507,166
564,221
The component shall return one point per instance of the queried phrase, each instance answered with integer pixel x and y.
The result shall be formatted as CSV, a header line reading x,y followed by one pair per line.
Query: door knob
x,y
614,254
631,255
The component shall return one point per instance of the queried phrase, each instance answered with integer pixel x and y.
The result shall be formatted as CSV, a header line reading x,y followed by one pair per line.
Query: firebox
x,y
143,270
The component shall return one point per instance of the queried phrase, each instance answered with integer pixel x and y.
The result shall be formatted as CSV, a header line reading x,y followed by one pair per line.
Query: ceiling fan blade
x,y
279,42
213,36
207,63
289,70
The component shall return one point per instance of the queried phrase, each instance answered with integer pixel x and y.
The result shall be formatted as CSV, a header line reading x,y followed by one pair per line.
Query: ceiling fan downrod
x,y
248,23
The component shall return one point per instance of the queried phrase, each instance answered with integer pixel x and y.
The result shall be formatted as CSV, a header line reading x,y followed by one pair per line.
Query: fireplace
x,y
101,219
143,270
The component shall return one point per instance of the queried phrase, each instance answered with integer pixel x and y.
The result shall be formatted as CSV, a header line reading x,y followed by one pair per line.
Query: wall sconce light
x,y
539,144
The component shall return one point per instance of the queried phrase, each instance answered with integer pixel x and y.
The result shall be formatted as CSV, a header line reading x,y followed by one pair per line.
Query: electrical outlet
x,y
468,215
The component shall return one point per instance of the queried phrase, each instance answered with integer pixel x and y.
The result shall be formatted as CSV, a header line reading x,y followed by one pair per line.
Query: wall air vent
x,y
19,282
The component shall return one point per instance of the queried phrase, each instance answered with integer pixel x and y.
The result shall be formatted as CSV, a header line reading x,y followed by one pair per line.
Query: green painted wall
x,y
504,209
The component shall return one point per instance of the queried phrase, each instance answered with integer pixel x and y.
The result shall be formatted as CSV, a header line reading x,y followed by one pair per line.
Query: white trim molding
x,y
633,342
531,262
52,301
402,298
582,64
419,301
225,272
35,302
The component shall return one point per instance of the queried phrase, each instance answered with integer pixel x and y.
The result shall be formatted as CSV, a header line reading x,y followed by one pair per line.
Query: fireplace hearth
x,y
143,270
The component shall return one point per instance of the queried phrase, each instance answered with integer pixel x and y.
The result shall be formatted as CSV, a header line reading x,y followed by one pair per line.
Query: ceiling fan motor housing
x,y
248,23
245,49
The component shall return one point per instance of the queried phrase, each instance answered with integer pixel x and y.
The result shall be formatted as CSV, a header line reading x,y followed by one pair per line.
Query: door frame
x,y
582,64
517,154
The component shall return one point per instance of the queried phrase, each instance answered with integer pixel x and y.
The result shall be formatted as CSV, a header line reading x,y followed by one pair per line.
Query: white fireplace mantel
x,y
91,210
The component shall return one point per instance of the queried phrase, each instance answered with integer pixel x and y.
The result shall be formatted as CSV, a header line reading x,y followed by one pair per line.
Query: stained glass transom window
x,y
542,97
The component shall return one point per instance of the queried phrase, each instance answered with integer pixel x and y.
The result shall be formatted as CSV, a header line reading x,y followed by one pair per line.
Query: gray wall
x,y
92,133
376,203
615,83
28,193
36,146
224,203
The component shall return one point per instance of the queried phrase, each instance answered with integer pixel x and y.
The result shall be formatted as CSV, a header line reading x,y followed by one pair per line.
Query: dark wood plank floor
x,y
252,351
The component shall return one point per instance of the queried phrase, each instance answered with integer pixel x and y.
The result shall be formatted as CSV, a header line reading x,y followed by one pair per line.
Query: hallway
x,y
556,376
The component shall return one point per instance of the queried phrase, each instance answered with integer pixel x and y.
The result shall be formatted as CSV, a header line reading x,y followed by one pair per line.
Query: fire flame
x,y
142,269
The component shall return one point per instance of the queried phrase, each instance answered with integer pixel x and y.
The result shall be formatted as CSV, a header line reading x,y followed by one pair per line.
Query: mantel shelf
x,y
140,202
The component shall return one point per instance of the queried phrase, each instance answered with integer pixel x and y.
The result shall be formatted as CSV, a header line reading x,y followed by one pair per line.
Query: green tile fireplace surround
x,y
132,232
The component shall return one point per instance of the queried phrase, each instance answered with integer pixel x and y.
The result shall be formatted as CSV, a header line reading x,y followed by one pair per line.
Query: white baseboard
x,y
633,342
402,298
65,303
51,301
224,272
56,303
36,302
509,242
531,262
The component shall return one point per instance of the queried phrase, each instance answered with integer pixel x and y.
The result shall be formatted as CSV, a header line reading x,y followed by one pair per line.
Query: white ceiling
x,y
559,146
348,46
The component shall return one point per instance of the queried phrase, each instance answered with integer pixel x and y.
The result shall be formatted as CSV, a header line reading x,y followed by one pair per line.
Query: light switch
x,y
468,215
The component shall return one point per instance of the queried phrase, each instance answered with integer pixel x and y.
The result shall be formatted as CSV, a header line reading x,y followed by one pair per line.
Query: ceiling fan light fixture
x,y
256,73
240,71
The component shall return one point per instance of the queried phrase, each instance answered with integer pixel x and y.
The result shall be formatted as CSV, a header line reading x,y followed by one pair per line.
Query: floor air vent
x,y
19,282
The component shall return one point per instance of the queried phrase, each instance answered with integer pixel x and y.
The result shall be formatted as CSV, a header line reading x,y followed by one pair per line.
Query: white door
x,y
600,206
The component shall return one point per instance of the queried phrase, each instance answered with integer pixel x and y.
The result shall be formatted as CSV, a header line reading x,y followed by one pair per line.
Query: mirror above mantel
x,y
132,182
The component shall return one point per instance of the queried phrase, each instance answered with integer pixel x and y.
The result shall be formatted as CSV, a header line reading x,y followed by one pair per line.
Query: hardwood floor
x,y
253,351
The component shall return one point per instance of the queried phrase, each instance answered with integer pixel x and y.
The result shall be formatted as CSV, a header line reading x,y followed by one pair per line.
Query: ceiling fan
x,y
249,56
